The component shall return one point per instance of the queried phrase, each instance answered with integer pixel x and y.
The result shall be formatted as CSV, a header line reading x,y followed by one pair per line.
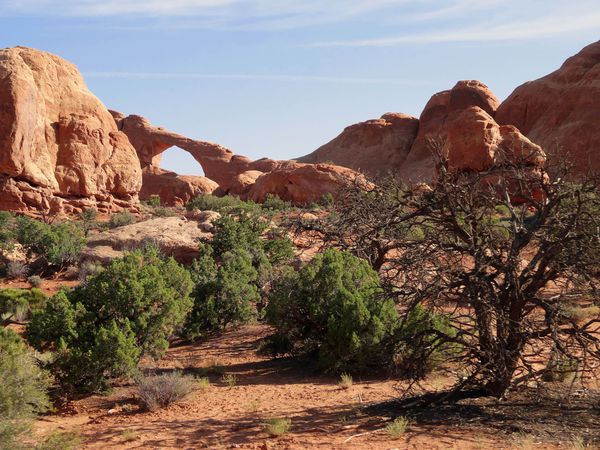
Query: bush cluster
x,y
332,309
224,205
60,244
23,389
233,272
100,329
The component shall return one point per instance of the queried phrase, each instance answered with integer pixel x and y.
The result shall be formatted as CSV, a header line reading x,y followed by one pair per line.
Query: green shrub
x,y
153,201
232,271
101,328
419,348
121,219
89,269
60,244
327,200
6,229
23,388
226,204
159,391
89,220
16,304
273,203
277,426
397,428
332,309
223,294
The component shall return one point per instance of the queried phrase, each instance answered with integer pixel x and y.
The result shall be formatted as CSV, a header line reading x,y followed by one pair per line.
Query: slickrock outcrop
x,y
60,149
442,107
374,147
303,184
173,189
177,237
561,111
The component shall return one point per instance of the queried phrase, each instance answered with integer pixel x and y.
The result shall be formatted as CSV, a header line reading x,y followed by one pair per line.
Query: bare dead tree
x,y
506,254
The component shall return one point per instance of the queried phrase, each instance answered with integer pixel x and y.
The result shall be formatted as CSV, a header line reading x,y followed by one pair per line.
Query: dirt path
x,y
324,416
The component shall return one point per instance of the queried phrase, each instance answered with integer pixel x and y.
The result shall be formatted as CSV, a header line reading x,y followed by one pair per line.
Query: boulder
x,y
58,139
177,237
561,111
374,147
173,189
303,184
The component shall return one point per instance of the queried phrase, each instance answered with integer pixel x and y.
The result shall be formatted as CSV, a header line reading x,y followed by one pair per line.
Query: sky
x,y
279,78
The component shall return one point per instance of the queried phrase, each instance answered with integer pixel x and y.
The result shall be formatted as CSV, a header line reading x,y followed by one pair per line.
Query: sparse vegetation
x,y
60,441
277,426
129,436
17,304
203,382
159,391
121,219
89,220
226,205
16,270
35,281
397,428
346,381
230,379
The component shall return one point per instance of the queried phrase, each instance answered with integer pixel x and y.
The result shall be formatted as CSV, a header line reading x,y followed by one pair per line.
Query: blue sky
x,y
279,78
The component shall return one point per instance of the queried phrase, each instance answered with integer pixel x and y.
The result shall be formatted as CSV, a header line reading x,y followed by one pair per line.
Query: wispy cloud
x,y
253,77
581,17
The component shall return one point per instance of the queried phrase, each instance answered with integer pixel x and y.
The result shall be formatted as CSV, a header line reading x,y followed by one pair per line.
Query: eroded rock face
x,y
173,189
303,184
561,111
475,142
59,145
177,237
234,174
374,147
219,163
419,164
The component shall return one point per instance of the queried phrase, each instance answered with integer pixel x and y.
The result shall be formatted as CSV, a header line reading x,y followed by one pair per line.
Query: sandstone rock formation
x,y
233,174
176,236
561,111
442,107
374,147
303,184
475,142
173,189
402,144
60,149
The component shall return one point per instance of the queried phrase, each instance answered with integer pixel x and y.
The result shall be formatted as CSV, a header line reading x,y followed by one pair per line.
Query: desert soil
x,y
323,414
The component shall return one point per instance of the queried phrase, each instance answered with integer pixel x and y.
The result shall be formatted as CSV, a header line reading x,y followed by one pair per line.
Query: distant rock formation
x,y
60,150
224,171
561,111
374,147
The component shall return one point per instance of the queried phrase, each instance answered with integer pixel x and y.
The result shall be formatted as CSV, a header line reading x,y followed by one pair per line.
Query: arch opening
x,y
180,161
